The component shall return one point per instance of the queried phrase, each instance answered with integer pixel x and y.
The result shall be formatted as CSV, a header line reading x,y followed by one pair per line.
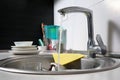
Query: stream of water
x,y
60,40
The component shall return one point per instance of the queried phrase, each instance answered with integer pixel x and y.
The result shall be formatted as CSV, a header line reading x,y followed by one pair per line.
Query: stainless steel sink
x,y
40,64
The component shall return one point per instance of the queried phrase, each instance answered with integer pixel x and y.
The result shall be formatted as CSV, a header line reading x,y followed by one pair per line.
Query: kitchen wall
x,y
106,21
21,20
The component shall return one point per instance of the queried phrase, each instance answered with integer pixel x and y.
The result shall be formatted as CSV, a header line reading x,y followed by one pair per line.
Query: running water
x,y
60,40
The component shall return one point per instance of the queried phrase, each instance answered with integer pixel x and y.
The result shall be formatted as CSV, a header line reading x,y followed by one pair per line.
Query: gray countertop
x,y
5,54
106,75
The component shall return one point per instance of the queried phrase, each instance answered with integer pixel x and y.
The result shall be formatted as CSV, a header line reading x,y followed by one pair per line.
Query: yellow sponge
x,y
66,58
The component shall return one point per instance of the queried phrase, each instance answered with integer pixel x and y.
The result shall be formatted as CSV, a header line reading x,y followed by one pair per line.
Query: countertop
x,y
105,75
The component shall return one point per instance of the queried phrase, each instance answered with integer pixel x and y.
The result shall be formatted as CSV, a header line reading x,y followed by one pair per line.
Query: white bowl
x,y
42,48
23,43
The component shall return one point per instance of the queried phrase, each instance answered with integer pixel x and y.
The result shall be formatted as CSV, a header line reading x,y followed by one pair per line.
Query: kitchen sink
x,y
40,64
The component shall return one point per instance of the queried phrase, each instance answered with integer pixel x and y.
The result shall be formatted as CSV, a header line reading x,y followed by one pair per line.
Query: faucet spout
x,y
88,13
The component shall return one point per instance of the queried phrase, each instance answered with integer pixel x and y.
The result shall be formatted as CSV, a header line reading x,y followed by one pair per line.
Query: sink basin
x,y
40,64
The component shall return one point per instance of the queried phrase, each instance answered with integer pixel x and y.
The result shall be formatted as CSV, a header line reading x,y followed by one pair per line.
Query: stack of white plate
x,y
24,50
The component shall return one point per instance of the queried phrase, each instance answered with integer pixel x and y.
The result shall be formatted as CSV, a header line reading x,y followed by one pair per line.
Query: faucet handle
x,y
101,44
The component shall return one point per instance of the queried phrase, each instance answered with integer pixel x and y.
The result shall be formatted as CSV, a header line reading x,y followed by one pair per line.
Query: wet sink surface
x,y
40,64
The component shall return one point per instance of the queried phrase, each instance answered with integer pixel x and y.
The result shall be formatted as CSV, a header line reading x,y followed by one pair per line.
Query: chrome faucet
x,y
92,48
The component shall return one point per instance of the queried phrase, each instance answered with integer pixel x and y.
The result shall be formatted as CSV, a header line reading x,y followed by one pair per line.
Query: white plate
x,y
24,52
33,46
24,49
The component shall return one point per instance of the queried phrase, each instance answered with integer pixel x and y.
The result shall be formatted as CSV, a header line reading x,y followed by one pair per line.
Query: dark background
x,y
21,20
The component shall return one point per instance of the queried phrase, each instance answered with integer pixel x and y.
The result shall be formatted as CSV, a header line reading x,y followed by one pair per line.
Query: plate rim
x,y
24,52
23,46
24,49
